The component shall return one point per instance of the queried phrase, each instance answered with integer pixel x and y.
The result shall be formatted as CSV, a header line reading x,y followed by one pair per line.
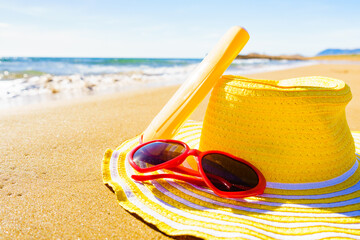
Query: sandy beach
x,y
50,177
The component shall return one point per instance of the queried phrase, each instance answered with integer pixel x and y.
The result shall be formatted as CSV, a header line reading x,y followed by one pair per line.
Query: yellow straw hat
x,y
294,131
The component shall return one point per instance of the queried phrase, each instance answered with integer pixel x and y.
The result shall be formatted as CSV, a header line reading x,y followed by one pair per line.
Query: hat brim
x,y
178,208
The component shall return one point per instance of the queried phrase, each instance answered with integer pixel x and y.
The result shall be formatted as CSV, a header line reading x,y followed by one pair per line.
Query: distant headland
x,y
327,54
336,51
264,56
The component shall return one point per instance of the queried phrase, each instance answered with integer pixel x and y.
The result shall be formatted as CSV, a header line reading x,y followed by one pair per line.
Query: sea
x,y
29,80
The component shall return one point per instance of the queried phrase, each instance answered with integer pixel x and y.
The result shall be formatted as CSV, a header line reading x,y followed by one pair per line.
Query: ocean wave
x,y
87,66
78,83
76,79
250,61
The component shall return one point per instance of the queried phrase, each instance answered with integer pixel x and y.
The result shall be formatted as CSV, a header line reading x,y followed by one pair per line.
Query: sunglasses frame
x,y
198,177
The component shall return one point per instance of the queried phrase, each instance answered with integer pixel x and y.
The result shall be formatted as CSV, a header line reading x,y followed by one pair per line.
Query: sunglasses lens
x,y
156,153
228,174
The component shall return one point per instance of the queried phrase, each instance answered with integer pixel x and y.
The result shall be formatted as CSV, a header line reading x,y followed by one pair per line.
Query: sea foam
x,y
37,79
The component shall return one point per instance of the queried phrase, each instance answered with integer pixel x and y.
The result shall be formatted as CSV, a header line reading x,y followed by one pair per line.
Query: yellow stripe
x,y
126,204
263,207
264,216
336,238
350,196
351,181
219,227
123,201
159,209
268,228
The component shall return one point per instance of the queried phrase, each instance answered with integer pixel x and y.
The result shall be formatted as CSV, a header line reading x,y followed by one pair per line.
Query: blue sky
x,y
109,28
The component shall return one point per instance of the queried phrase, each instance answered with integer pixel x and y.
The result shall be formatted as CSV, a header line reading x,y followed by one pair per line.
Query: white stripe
x,y
346,191
187,192
132,198
324,235
267,222
226,234
314,185
170,208
115,176
211,220
131,171
277,204
189,130
191,140
186,164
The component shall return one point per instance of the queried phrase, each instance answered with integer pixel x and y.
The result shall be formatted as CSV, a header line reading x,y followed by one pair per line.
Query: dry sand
x,y
340,57
50,176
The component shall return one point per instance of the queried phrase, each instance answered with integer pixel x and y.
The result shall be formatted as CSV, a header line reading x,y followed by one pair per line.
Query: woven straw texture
x,y
283,126
309,207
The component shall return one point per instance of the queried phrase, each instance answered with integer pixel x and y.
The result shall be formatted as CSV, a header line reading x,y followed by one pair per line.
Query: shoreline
x,y
51,182
58,99
47,87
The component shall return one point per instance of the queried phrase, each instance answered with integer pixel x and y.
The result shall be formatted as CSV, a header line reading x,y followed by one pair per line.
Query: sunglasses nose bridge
x,y
194,152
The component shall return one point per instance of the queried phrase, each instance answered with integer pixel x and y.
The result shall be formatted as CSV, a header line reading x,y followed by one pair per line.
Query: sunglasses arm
x,y
184,170
188,171
198,180
192,180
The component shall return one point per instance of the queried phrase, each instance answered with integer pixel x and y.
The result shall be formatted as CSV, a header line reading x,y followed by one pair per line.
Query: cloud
x,y
4,25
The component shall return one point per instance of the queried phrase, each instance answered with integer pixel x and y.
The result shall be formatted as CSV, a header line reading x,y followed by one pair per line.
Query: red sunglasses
x,y
226,175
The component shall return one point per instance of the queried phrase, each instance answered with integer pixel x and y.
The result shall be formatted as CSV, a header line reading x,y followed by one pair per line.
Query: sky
x,y
173,29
